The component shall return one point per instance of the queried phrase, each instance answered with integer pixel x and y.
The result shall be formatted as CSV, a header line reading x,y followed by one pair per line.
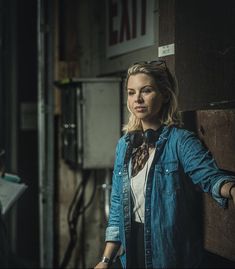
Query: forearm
x,y
111,249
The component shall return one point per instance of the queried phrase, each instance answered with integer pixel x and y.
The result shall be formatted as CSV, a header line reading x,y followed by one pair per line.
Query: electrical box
x,y
91,120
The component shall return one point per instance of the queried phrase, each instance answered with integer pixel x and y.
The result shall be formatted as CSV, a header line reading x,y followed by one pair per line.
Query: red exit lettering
x,y
127,28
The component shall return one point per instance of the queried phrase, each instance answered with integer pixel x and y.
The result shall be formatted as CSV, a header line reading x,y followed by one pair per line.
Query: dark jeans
x,y
210,260
135,258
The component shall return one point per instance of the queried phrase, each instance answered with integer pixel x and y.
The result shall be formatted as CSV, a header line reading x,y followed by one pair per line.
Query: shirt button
x,y
120,173
167,170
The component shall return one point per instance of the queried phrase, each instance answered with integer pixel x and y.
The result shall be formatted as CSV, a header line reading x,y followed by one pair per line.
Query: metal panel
x,y
217,130
101,122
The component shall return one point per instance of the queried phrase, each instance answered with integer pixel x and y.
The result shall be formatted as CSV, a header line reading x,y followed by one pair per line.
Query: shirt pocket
x,y
167,177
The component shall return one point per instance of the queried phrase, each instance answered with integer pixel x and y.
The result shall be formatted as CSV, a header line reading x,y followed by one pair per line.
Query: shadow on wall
x,y
214,261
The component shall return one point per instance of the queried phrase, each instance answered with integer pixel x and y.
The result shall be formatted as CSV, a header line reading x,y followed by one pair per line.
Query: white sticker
x,y
166,50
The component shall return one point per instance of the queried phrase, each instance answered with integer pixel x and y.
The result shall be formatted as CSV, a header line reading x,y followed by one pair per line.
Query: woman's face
x,y
144,99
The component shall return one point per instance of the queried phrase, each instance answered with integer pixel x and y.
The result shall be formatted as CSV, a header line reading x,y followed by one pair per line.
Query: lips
x,y
140,108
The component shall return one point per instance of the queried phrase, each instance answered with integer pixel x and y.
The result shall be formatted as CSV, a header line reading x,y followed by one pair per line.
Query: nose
x,y
138,98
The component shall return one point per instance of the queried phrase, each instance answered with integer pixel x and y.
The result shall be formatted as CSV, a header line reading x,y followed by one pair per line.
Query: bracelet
x,y
105,260
230,190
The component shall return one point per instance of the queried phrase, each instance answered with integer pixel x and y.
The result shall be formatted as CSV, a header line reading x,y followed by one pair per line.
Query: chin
x,y
141,117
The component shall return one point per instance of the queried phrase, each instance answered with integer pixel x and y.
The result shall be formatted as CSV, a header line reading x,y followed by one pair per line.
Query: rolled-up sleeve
x,y
201,167
112,234
112,230
216,190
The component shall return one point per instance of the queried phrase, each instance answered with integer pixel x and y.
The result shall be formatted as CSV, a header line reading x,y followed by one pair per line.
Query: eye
x,y
147,90
130,93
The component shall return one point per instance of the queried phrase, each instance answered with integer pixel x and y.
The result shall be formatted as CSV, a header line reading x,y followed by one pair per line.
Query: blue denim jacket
x,y
171,231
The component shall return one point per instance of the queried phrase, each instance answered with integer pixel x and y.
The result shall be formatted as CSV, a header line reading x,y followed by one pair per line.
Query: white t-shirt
x,y
138,186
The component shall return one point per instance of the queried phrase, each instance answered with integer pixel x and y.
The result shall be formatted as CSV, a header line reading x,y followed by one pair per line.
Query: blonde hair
x,y
166,83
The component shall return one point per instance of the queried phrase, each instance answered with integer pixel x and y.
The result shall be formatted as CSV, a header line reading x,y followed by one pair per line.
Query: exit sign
x,y
130,25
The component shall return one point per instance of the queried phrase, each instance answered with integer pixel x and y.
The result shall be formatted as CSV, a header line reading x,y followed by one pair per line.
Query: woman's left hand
x,y
232,192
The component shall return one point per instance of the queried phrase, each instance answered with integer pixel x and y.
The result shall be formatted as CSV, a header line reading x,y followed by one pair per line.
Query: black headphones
x,y
148,136
137,138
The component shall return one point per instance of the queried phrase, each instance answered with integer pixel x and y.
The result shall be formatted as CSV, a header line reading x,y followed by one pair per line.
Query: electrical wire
x,y
76,209
91,198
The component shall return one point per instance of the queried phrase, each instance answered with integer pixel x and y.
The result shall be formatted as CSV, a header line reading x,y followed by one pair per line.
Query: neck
x,y
154,125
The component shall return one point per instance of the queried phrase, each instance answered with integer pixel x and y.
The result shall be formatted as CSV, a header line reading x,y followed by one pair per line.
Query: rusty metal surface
x,y
219,228
217,129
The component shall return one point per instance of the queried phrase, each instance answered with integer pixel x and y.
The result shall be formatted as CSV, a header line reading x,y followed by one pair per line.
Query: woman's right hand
x,y
111,250
101,265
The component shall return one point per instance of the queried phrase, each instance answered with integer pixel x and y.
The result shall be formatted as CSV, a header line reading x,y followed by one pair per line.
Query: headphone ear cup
x,y
136,138
149,136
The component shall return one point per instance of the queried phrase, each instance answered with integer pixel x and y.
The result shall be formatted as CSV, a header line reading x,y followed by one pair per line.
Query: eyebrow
x,y
141,87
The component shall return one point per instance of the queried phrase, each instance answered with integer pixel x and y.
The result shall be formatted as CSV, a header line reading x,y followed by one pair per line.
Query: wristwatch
x,y
105,260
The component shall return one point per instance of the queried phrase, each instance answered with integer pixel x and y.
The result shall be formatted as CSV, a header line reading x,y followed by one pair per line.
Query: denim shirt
x,y
172,226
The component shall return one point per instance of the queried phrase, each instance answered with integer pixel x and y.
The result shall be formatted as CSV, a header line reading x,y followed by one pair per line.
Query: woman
x,y
152,222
